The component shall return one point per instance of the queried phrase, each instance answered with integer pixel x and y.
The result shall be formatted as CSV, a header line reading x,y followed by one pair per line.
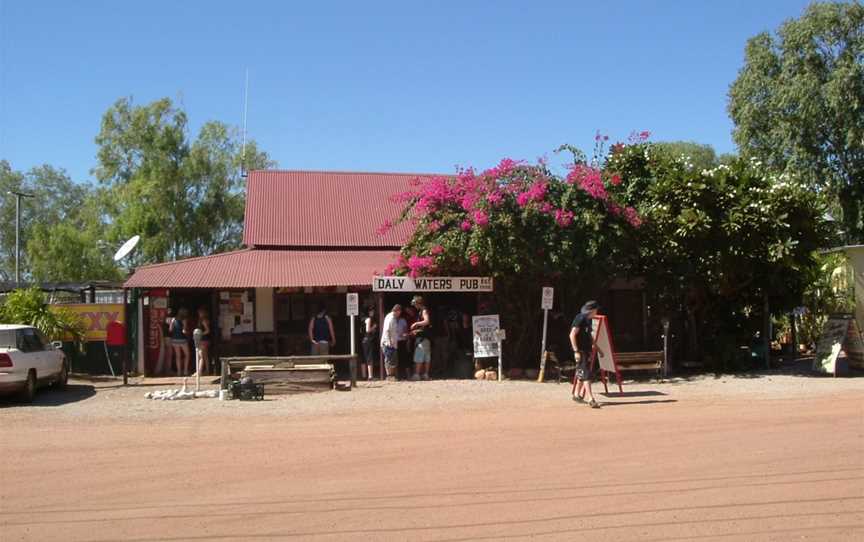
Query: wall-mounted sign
x,y
432,284
96,317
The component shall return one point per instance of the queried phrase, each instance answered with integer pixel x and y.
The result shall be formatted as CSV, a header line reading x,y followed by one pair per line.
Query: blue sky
x,y
377,86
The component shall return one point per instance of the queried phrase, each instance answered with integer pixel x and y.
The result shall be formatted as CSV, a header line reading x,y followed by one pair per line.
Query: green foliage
x,y
701,156
717,241
829,290
57,199
29,307
184,198
798,105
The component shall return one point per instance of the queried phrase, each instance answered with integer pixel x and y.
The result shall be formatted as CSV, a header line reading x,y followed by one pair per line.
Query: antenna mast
x,y
245,113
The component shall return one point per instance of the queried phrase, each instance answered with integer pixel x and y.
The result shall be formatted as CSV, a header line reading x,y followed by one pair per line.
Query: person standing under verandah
x,y
390,341
370,342
422,345
582,341
321,332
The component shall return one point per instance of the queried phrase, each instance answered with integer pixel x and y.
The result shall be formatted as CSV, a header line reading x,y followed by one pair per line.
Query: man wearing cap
x,y
422,344
582,341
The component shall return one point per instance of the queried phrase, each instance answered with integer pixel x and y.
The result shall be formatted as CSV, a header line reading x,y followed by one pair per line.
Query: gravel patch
x,y
107,399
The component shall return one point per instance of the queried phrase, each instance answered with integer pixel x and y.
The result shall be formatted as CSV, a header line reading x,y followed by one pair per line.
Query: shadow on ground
x,y
49,397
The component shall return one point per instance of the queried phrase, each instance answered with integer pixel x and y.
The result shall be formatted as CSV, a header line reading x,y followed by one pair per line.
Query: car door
x,y
52,358
33,352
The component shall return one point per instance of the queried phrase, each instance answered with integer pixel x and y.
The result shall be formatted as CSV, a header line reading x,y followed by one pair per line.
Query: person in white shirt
x,y
390,341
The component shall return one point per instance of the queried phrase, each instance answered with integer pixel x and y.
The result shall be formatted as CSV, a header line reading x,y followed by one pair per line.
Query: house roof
x,y
324,209
267,269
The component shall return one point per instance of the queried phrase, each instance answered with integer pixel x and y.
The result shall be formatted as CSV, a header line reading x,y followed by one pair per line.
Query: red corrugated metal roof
x,y
324,208
266,268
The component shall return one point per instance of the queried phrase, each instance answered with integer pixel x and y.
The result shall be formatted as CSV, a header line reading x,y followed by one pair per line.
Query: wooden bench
x,y
641,361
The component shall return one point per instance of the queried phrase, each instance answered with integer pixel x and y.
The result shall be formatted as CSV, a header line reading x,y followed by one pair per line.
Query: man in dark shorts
x,y
582,341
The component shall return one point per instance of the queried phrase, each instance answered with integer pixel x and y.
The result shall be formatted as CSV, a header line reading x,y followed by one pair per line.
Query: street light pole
x,y
18,196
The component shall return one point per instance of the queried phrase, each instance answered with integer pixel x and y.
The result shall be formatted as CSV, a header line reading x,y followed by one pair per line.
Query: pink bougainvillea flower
x,y
390,269
466,225
437,250
644,135
563,218
547,207
615,209
494,198
588,179
502,169
523,199
474,259
615,180
434,226
481,218
384,228
632,217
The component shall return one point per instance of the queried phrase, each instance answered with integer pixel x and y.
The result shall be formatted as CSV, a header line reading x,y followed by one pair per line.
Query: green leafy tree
x,y
717,241
57,199
798,104
701,156
184,198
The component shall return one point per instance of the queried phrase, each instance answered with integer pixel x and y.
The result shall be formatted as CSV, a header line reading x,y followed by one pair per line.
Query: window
x,y
29,340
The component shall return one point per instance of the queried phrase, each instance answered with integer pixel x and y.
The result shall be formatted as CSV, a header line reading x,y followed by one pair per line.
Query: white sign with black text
x,y
485,335
352,302
432,284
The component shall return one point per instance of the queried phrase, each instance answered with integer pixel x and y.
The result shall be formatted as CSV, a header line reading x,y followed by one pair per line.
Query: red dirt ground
x,y
698,468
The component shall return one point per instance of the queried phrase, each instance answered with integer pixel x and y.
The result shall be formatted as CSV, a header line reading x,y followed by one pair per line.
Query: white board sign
x,y
841,333
432,284
485,340
547,299
352,304
602,338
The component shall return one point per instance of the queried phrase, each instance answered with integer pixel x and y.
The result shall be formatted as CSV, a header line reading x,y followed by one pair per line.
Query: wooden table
x,y
231,363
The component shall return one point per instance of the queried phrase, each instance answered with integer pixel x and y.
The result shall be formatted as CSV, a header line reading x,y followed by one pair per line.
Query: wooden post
x,y
766,339
382,374
275,323
125,351
542,374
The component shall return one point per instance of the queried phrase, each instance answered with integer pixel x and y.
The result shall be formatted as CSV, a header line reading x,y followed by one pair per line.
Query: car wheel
x,y
29,391
62,378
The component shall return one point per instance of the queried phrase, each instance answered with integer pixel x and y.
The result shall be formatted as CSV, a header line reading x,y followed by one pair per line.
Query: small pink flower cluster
x,y
638,137
474,259
437,250
418,264
384,228
589,179
481,218
466,225
631,216
502,169
536,193
563,218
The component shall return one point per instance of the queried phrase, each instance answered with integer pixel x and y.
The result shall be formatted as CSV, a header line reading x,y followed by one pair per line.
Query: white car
x,y
28,360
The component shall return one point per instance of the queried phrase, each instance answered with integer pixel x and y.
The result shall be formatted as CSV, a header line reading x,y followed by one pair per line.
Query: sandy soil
x,y
769,457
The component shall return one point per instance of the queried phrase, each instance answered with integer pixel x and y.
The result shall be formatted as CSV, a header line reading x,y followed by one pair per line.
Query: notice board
x,y
841,333
485,341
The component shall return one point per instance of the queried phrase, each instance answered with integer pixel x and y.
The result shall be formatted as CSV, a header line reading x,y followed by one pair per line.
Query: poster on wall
x,y
96,317
485,341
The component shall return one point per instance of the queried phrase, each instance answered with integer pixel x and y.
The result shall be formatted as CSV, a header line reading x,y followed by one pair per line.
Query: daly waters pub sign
x,y
432,284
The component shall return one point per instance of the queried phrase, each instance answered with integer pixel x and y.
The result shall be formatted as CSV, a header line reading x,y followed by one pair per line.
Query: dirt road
x,y
441,461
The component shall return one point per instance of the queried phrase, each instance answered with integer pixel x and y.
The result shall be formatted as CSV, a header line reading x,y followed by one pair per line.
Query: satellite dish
x,y
127,247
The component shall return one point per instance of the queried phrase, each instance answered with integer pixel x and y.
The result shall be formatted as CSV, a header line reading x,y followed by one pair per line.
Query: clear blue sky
x,y
377,86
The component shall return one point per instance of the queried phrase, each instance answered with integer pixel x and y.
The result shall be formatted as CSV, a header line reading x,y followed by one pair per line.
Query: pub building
x,y
309,238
